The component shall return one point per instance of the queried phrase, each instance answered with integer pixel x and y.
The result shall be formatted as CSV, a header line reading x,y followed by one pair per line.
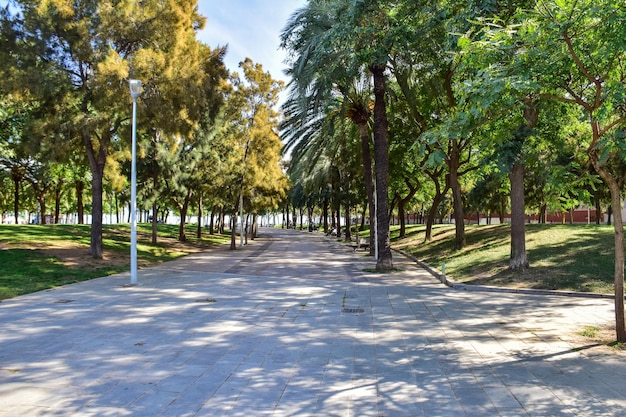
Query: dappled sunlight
x,y
299,337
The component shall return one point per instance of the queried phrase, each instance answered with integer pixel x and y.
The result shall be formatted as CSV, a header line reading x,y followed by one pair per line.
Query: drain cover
x,y
353,310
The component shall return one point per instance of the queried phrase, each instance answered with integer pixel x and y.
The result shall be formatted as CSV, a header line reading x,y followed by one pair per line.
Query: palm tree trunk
x,y
369,184
381,160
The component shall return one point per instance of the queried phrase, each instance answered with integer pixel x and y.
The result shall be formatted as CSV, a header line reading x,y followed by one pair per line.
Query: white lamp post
x,y
135,90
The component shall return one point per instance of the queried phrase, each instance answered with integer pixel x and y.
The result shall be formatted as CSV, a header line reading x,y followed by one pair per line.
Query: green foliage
x,y
251,166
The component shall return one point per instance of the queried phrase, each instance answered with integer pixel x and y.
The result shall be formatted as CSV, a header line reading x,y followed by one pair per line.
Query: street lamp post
x,y
135,90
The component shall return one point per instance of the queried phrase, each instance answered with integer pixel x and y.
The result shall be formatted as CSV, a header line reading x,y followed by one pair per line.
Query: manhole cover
x,y
353,310
63,301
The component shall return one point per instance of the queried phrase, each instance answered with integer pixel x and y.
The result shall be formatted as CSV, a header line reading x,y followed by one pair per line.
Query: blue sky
x,y
251,28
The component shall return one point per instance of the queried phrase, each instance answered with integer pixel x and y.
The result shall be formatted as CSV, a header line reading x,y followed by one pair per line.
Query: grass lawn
x,y
562,257
38,257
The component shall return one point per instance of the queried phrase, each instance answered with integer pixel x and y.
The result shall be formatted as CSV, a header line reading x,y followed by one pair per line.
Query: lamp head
x,y
135,88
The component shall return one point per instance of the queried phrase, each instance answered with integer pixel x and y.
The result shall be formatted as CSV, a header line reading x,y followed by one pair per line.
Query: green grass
x,y
39,257
562,257
589,331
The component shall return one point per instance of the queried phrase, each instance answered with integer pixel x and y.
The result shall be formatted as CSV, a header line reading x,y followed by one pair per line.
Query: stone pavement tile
x,y
478,411
334,399
473,398
485,376
279,345
122,395
439,408
399,397
295,411
501,397
364,408
511,412
189,402
152,403
463,381
176,383
261,397
533,394
299,396
96,411
21,396
515,374
589,407
218,408
555,410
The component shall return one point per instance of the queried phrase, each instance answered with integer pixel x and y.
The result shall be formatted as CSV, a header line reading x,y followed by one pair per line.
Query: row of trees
x,y
206,137
502,104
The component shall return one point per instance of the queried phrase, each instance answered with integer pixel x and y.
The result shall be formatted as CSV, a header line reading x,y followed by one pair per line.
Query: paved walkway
x,y
294,325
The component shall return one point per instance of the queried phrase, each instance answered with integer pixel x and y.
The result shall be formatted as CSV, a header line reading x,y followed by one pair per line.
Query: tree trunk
x,y
618,227
457,197
401,217
363,214
97,160
402,202
199,229
338,220
184,208
369,184
381,161
518,259
348,234
155,220
615,188
543,214
57,201
432,213
16,198
233,222
325,214
95,248
42,207
246,228
155,209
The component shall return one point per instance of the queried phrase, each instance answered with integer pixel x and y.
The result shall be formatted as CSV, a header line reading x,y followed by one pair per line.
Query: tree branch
x,y
612,125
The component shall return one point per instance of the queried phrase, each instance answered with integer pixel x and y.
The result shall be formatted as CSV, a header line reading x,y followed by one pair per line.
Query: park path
x,y
296,324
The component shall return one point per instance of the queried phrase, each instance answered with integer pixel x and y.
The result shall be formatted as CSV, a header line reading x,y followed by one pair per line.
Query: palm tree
x,y
324,70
